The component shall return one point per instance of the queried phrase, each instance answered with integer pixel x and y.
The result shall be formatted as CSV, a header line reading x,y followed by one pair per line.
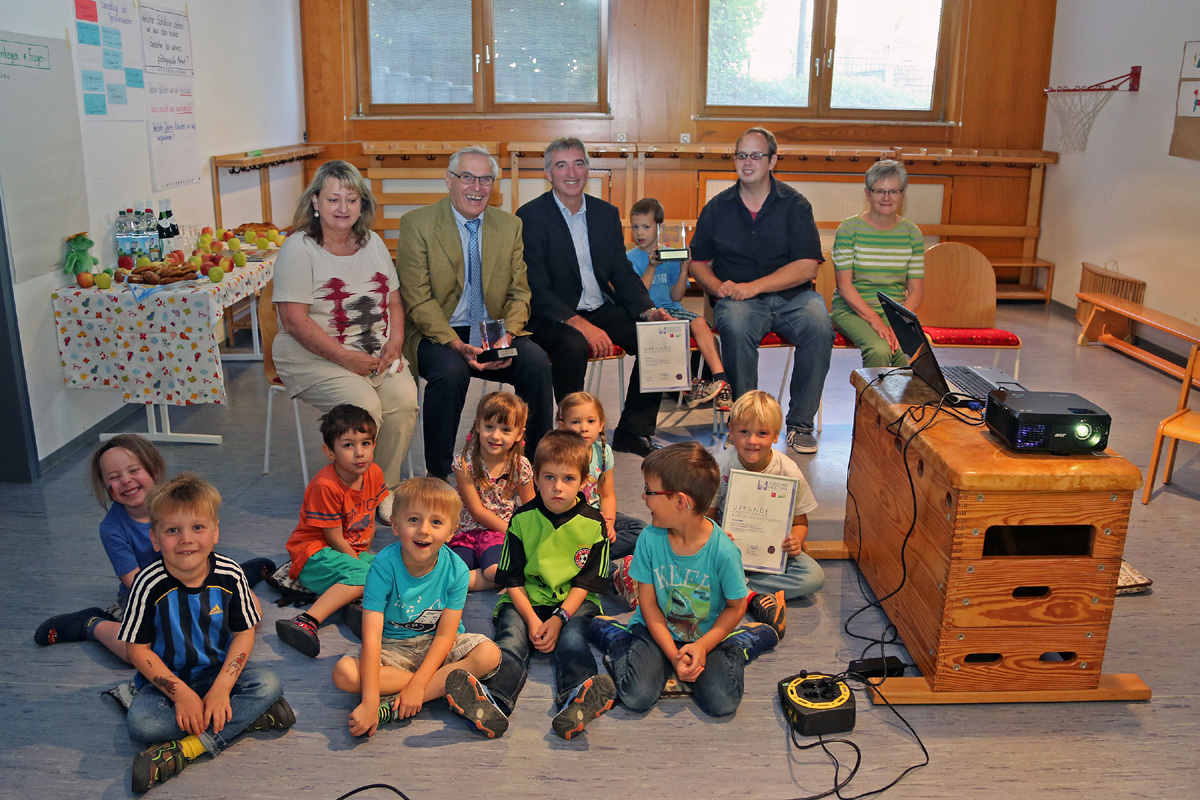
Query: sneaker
x,y
156,764
769,609
471,700
624,586
68,627
604,631
256,569
300,633
724,401
754,639
279,717
801,441
352,616
702,391
383,511
589,700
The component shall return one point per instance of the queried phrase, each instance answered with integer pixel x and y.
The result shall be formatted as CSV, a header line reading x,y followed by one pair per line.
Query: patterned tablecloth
x,y
155,344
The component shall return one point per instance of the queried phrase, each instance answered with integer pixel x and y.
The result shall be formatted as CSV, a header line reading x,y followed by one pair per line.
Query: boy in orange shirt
x,y
337,523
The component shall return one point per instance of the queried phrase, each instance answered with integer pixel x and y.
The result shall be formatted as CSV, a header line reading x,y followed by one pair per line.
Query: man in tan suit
x,y
461,262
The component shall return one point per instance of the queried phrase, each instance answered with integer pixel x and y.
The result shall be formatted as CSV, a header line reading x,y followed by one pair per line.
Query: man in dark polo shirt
x,y
755,252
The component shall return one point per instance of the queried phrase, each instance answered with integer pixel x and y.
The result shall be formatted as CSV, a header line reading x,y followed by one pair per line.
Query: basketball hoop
x,y
1078,106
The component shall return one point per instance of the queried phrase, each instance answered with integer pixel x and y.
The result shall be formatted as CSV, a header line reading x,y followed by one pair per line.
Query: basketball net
x,y
1076,110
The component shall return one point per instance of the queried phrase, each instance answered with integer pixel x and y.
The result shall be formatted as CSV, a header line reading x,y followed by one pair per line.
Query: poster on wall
x,y
174,150
108,60
1185,141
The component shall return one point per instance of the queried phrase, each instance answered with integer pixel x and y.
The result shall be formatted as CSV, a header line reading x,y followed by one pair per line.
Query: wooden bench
x,y
1109,323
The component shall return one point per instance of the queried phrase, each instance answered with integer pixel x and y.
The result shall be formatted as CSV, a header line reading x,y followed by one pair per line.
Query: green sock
x,y
90,627
385,709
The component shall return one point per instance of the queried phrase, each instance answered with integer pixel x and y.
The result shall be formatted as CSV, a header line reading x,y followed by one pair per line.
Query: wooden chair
x,y
1183,424
959,309
269,325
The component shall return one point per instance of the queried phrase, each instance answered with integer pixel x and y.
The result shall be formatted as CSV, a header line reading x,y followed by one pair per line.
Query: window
x,y
466,56
877,59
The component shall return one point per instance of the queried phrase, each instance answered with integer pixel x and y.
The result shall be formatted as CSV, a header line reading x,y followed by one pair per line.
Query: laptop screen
x,y
911,337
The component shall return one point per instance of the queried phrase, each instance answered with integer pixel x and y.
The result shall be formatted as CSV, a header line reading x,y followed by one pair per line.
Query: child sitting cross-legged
x,y
555,560
413,636
189,631
754,425
337,523
692,594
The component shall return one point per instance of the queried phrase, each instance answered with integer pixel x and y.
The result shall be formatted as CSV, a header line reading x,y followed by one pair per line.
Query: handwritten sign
x,y
174,149
23,54
167,40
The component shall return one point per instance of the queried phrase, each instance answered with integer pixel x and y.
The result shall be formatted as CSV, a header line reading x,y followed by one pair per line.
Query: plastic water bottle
x,y
153,246
121,232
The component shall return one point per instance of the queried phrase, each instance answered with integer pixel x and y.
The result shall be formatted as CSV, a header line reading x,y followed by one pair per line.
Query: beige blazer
x,y
431,266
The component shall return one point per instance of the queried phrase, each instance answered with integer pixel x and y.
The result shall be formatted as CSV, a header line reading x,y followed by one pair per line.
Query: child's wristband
x,y
562,614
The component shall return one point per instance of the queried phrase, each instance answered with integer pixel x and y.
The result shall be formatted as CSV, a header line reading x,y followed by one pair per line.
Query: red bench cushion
x,y
976,337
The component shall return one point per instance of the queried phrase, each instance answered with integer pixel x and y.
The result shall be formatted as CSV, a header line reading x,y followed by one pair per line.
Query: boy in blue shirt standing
x,y
189,630
413,636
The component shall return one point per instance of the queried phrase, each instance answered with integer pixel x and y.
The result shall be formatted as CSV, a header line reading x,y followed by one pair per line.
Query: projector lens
x,y
1083,431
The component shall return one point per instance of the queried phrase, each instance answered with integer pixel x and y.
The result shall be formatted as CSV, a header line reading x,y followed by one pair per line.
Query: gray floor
x,y
60,738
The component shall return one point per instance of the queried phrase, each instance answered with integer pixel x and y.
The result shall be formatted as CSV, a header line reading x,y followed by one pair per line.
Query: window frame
x,y
820,86
483,43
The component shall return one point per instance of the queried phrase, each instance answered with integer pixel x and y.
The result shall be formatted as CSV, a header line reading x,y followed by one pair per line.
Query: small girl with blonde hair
x,y
492,474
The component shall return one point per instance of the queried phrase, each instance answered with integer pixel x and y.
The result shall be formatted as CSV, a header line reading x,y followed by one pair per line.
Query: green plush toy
x,y
78,258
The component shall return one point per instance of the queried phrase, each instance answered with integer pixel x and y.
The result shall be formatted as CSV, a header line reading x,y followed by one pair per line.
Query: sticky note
x,y
116,93
113,59
93,80
86,10
134,78
95,104
110,36
88,33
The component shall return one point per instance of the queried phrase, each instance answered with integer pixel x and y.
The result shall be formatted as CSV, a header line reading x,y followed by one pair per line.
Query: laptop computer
x,y
970,383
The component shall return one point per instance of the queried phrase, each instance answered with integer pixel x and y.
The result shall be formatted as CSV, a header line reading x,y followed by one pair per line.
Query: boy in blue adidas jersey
x,y
554,561
189,628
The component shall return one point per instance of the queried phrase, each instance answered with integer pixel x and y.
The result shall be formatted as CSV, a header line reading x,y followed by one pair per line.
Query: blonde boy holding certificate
x,y
754,425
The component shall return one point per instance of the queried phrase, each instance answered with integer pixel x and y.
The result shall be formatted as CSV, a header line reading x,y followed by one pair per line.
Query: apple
x,y
207,230
229,235
220,234
226,263
180,255
195,261
126,262
85,280
272,235
206,239
261,243
103,280
143,261
235,244
239,259
217,246
205,267
215,274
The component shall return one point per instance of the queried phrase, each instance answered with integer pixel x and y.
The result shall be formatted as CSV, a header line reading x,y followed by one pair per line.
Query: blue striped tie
x,y
476,310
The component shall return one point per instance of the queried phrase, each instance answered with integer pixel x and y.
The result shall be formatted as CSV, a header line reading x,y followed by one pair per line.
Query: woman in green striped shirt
x,y
878,251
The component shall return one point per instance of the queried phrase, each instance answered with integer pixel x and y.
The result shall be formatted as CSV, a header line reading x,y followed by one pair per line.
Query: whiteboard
x,y
41,153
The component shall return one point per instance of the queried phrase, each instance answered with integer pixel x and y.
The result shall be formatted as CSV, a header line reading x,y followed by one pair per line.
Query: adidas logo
x,y
215,610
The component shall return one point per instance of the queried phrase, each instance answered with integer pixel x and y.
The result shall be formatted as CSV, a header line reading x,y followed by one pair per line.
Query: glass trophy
x,y
495,340
672,242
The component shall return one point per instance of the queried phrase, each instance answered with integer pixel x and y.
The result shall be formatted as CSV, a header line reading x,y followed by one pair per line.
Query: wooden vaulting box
x,y
1008,577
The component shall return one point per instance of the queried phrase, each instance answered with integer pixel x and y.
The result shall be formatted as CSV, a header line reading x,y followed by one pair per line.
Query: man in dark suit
x,y
437,272
585,294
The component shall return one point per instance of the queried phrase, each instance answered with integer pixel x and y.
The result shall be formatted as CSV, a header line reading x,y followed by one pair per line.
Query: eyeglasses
x,y
467,178
751,156
646,491
887,192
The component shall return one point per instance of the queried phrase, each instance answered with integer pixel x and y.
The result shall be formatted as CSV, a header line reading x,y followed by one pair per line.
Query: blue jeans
x,y
802,321
151,715
572,659
801,577
628,529
641,669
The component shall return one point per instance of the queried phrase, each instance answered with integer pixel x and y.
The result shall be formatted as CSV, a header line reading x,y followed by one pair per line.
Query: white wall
x,y
248,95
1125,198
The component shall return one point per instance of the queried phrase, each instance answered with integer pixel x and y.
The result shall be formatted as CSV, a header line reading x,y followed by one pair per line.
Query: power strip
x,y
816,704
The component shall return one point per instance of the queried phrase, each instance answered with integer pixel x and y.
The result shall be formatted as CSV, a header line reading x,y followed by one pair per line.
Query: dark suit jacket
x,y
431,268
553,267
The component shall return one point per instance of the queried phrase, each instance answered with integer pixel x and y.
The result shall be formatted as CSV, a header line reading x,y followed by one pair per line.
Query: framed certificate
x,y
758,517
663,356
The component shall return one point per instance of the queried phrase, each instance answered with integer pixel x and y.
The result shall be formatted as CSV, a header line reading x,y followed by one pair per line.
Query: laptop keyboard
x,y
968,381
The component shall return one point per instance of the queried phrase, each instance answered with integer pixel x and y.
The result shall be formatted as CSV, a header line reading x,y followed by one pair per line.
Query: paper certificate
x,y
758,517
663,355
